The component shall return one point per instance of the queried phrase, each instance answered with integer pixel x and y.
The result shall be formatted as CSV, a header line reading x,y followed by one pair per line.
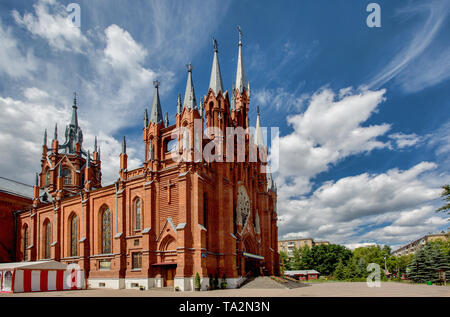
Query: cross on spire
x,y
156,83
189,67
216,46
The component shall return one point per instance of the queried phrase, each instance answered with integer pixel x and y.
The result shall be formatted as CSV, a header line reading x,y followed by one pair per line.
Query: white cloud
x,y
280,99
121,49
22,126
113,88
329,130
353,246
423,36
50,23
14,61
340,210
429,70
403,140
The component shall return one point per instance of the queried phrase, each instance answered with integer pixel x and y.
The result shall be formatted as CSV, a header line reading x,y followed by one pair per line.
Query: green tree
x,y
284,259
446,195
339,272
351,269
325,258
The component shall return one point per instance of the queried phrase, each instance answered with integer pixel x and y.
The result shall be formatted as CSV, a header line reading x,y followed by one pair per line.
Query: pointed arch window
x,y
74,236
106,231
137,214
67,176
25,243
47,239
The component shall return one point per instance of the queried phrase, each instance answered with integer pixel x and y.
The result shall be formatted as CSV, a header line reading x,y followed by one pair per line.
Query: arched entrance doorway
x,y
252,260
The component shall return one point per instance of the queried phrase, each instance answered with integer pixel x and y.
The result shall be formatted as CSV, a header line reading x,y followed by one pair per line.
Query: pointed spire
x,y
166,120
37,180
99,153
156,113
189,95
259,141
215,82
88,162
200,107
179,108
146,118
240,73
74,120
233,98
124,145
45,137
55,137
95,144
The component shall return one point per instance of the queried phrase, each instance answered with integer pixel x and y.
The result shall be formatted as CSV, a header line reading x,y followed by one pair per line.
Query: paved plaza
x,y
330,289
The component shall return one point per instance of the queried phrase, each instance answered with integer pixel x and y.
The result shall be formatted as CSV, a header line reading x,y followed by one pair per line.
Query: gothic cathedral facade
x,y
167,220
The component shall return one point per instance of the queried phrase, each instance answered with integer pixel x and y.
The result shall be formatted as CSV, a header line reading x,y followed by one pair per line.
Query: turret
x,y
36,191
123,158
189,95
240,98
55,144
215,82
156,112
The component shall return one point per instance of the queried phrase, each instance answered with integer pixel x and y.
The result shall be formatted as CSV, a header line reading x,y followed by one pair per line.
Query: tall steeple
x,y
156,114
74,121
189,95
215,82
241,82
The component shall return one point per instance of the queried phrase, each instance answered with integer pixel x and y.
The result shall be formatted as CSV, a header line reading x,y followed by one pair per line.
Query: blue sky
x,y
363,112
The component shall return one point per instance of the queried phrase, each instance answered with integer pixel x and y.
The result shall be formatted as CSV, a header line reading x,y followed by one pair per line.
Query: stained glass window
x,y
106,231
47,239
137,214
74,236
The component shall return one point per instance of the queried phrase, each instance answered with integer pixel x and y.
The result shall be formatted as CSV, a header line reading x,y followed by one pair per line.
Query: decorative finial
x,y
257,110
74,99
60,170
95,144
156,83
216,47
124,145
55,137
45,137
240,34
146,118
189,67
179,104
88,163
37,180
166,120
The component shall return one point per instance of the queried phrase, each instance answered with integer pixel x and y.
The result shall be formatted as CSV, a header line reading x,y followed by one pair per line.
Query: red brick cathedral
x,y
160,224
